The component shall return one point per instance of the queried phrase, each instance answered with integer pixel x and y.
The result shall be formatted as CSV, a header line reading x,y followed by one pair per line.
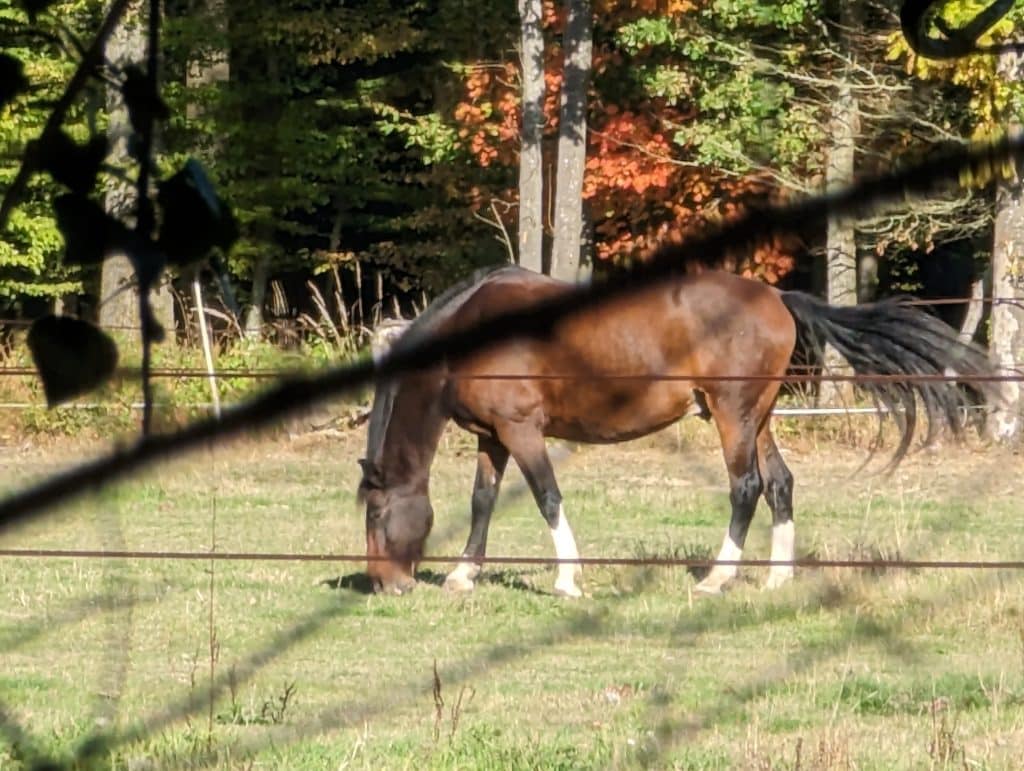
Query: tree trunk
x,y
567,247
254,316
867,277
119,308
208,66
1006,347
841,245
975,308
531,176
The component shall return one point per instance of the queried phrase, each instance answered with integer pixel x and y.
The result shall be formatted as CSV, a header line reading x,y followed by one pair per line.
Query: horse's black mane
x,y
420,328
445,303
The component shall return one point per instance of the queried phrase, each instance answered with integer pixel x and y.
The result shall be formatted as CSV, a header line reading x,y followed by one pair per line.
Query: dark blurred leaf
x,y
915,16
149,261
12,78
72,356
35,7
90,234
152,328
142,99
70,163
195,220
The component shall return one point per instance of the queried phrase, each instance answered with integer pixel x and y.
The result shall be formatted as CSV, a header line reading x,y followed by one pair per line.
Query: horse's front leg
x,y
526,443
491,459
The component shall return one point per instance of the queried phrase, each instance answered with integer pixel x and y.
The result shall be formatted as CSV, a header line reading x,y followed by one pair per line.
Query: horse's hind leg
x,y
745,485
526,444
491,459
778,492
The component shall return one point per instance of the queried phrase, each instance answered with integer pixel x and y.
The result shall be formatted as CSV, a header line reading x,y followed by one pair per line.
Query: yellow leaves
x,y
988,170
896,47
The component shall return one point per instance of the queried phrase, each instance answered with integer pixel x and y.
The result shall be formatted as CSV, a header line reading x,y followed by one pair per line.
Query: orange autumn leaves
x,y
489,116
639,185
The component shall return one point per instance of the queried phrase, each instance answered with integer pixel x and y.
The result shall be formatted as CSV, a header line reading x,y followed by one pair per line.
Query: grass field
x,y
116,660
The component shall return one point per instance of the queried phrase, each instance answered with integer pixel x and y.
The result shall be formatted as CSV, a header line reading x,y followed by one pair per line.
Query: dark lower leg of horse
x,y
745,486
492,458
528,448
778,493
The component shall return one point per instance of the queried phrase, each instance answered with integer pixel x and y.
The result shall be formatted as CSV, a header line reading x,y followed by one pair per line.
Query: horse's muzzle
x,y
387,575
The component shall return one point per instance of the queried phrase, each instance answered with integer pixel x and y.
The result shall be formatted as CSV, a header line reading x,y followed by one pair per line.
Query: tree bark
x,y
211,65
841,244
577,45
119,308
1006,346
531,175
254,316
867,277
975,308
208,66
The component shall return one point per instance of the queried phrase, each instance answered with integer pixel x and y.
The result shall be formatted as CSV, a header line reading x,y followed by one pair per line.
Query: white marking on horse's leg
x,y
462,577
783,550
565,549
720,574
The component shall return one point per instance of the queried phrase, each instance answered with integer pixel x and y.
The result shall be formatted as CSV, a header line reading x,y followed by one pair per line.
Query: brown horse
x,y
626,369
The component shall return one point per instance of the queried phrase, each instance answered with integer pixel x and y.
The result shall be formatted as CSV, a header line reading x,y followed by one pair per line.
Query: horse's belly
x,y
618,417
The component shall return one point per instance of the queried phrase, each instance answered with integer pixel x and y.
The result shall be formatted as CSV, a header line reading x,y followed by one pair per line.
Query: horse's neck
x,y
414,431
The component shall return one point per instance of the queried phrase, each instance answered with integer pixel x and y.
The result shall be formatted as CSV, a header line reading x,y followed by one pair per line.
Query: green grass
x,y
840,669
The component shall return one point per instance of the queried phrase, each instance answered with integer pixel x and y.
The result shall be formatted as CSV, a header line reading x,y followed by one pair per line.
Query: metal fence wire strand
x,y
667,562
810,377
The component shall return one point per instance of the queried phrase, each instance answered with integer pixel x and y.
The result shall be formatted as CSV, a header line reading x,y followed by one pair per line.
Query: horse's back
x,y
674,339
692,317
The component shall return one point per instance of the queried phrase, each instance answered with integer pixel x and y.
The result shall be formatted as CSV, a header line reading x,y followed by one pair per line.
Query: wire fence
x,y
653,561
296,391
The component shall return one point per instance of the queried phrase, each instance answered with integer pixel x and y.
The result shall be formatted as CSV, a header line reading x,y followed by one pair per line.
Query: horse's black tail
x,y
892,338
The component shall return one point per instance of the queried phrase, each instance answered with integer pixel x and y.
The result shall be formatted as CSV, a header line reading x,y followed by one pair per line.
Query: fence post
x,y
207,353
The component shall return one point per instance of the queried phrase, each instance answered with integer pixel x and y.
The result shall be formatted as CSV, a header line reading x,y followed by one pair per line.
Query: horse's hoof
x,y
775,580
568,590
711,590
458,584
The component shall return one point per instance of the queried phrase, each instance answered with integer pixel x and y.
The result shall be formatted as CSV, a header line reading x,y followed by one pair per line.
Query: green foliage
x,y
753,15
732,63
331,138
31,246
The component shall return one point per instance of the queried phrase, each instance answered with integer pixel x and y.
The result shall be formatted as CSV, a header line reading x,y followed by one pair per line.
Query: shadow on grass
x,y
892,637
579,622
582,622
360,582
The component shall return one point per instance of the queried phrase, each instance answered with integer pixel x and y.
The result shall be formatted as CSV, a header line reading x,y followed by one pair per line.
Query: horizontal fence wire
x,y
918,301
687,562
792,377
787,412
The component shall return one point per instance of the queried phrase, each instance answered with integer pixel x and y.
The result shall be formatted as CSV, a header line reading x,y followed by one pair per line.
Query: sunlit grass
x,y
840,669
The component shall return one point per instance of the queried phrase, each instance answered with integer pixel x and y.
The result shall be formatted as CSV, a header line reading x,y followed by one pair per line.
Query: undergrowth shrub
x,y
113,409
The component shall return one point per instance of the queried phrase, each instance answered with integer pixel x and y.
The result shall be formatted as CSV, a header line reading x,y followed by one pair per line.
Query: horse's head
x,y
398,521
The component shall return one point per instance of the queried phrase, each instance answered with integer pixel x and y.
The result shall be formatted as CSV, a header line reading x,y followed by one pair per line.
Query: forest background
x,y
375,151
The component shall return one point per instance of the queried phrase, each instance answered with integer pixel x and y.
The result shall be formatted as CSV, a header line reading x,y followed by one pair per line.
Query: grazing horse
x,y
705,343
